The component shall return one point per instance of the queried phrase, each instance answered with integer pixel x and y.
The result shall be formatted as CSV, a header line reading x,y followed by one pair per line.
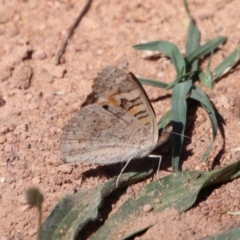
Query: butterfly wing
x,y
116,122
104,136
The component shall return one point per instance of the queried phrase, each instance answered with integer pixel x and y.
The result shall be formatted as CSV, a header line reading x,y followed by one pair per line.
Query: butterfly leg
x,y
122,171
159,164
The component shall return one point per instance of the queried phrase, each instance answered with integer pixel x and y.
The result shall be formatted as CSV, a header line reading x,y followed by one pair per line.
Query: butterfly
x,y
116,122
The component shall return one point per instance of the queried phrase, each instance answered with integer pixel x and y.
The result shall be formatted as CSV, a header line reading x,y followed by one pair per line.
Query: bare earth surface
x,y
40,97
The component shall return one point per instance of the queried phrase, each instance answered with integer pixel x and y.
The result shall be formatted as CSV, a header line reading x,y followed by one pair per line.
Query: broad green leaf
x,y
179,113
169,50
74,211
205,49
152,83
179,191
198,95
227,64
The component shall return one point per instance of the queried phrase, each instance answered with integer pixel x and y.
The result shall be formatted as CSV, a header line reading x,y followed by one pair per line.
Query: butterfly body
x,y
116,122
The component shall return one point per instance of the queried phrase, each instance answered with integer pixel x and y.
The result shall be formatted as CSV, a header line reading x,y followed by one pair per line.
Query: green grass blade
x,y
226,64
205,49
168,49
181,79
198,95
150,46
179,112
206,79
153,83
192,43
165,119
193,38
177,59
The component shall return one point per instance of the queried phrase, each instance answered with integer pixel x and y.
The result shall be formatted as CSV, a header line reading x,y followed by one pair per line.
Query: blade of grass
x,y
193,36
168,49
206,79
181,79
177,59
192,43
150,46
179,112
205,49
226,64
153,83
165,119
198,95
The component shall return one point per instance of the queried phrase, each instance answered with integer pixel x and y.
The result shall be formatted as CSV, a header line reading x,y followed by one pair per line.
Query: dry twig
x,y
70,32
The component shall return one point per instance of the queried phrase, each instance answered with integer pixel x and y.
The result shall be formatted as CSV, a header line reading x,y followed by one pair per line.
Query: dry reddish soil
x,y
37,98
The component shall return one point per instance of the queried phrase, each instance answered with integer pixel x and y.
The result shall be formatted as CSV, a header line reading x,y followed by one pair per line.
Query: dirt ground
x,y
37,98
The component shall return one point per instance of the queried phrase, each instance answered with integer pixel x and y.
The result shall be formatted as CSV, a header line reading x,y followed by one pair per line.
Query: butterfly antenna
x,y
181,135
122,171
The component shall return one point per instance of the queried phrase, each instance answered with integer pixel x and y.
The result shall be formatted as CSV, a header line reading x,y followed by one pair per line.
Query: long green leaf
x,y
198,95
206,79
174,192
179,113
165,119
205,49
226,64
173,52
73,212
153,83
170,50
193,39
150,46
193,36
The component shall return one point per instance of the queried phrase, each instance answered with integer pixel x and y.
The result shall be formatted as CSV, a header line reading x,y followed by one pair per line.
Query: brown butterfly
x,y
116,122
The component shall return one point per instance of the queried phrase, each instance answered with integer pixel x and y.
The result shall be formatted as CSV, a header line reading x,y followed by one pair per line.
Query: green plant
x,y
183,88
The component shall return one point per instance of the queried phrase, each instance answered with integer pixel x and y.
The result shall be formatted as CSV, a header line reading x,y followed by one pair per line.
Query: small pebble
x,y
36,180
4,129
2,179
3,139
147,208
22,76
65,168
40,55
